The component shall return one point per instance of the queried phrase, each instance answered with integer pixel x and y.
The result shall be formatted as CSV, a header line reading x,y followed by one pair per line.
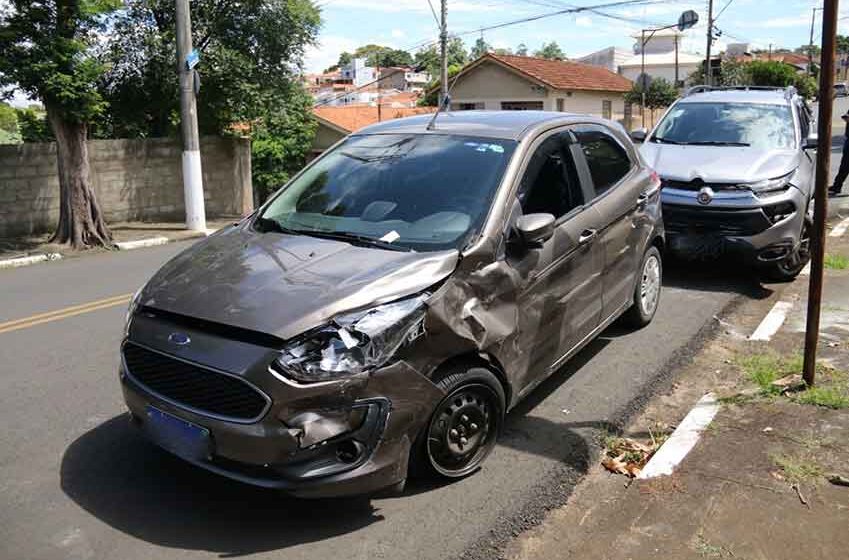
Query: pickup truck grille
x,y
687,220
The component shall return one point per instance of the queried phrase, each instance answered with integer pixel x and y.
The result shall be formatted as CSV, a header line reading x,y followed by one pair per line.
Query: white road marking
x,y
683,439
839,229
807,270
773,321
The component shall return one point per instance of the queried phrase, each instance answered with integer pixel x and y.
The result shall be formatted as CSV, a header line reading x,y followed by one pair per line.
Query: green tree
x,y
280,142
33,126
771,73
47,51
480,48
551,51
250,52
522,49
429,58
378,55
659,94
8,118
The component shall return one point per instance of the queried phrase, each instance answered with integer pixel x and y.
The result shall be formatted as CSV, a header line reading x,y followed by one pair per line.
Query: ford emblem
x,y
705,195
178,338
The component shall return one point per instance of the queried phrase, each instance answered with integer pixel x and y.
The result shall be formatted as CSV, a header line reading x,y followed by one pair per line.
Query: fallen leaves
x,y
628,456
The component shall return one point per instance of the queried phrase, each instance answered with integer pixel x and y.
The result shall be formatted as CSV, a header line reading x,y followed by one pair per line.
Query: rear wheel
x,y
647,290
462,431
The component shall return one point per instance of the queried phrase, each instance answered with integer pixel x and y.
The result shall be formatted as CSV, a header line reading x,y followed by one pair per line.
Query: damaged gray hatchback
x,y
384,310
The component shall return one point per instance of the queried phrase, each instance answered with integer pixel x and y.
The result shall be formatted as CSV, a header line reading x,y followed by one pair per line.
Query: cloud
x,y
398,34
583,21
326,53
406,6
791,21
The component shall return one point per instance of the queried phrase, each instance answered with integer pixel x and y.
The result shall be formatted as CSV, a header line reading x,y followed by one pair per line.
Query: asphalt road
x,y
77,482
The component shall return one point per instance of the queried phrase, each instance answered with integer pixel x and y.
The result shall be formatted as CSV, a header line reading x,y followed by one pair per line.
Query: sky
x,y
407,23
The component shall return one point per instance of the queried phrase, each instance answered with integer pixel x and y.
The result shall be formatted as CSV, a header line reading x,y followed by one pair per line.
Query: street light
x,y
687,20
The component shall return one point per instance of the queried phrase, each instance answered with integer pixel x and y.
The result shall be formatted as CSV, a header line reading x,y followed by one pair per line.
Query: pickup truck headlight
x,y
353,343
771,185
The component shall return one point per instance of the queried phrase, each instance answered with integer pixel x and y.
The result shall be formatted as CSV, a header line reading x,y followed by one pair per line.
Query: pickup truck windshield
x,y
761,126
422,192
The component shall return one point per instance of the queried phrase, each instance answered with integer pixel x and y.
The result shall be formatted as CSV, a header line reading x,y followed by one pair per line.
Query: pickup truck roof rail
x,y
789,91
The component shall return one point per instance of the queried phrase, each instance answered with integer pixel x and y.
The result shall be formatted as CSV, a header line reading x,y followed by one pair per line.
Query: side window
x,y
804,122
550,184
607,160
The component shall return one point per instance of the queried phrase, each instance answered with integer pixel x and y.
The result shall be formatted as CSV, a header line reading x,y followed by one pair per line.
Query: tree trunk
x,y
81,222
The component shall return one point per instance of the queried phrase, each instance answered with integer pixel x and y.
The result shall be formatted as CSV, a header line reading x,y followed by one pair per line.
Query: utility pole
x,y
811,42
192,174
676,61
378,92
443,47
709,43
643,80
829,32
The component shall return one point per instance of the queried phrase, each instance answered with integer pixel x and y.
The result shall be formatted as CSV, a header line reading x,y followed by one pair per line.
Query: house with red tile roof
x,y
336,122
508,82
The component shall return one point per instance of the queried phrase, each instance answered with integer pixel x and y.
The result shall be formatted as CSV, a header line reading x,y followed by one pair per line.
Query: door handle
x,y
587,236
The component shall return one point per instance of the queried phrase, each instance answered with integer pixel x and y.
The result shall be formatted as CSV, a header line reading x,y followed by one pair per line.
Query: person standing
x,y
843,172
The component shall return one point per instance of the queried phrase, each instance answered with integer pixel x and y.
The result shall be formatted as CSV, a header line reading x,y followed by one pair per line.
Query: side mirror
x,y
639,135
535,229
811,142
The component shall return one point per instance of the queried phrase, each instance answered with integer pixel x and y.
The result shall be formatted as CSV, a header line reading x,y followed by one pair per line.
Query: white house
x,y
508,82
663,58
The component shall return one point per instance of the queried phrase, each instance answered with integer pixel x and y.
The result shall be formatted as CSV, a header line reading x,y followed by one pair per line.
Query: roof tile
x,y
565,74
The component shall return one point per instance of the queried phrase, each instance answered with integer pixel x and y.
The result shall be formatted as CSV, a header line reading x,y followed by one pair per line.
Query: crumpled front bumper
x,y
733,224
345,437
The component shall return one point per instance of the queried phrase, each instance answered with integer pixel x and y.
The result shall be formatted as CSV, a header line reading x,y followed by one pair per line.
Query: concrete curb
x,y
31,259
139,243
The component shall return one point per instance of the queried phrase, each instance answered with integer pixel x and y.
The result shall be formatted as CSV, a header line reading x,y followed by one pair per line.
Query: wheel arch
x,y
482,360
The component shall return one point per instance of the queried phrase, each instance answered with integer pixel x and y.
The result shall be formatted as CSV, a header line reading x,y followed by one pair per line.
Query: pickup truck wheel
x,y
786,270
464,425
646,291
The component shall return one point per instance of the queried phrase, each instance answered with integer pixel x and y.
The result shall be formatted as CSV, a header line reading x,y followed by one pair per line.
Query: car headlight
x,y
131,309
354,342
771,185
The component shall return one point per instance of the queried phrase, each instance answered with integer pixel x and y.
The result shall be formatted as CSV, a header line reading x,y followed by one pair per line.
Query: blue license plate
x,y
180,437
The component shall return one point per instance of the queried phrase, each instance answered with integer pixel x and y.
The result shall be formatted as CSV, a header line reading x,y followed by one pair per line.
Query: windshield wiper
x,y
717,143
354,238
267,225
663,140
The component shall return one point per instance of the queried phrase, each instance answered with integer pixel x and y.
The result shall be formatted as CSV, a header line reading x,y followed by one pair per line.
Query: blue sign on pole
x,y
192,59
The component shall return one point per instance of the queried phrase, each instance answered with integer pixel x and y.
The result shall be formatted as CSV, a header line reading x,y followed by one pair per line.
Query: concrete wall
x,y
134,180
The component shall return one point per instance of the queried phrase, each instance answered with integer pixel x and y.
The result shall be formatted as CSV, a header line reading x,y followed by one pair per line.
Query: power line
x,y
722,10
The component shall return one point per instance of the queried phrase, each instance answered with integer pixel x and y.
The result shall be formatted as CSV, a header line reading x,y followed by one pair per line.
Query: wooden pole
x,y
829,31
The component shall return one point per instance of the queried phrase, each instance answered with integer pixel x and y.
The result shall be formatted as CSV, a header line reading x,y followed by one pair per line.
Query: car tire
x,y
646,290
786,270
463,427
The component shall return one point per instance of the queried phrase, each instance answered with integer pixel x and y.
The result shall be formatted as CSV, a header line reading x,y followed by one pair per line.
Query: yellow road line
x,y
40,318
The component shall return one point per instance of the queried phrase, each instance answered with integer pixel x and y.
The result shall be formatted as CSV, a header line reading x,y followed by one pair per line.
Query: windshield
x,y
731,124
405,191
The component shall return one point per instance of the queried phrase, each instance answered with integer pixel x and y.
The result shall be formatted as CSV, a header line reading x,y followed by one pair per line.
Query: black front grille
x,y
193,386
697,185
687,220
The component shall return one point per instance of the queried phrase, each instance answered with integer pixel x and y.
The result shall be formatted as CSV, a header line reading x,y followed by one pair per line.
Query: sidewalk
x,y
756,485
121,232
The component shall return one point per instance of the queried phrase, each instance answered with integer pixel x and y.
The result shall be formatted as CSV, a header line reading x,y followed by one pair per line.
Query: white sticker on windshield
x,y
391,237
495,148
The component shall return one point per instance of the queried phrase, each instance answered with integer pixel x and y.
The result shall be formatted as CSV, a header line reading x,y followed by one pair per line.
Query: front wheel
x,y
464,426
787,269
646,291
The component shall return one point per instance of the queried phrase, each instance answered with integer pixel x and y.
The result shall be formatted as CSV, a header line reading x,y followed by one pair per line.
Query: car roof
x,y
768,97
512,125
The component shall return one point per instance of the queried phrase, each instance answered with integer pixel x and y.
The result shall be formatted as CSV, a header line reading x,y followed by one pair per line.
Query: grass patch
x,y
707,550
797,469
828,397
836,262
763,369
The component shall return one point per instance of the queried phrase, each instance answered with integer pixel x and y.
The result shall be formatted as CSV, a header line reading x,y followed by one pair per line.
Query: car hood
x,y
718,164
283,284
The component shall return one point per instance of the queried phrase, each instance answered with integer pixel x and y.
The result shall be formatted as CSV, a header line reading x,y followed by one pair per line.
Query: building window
x,y
467,106
560,104
521,105
607,109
